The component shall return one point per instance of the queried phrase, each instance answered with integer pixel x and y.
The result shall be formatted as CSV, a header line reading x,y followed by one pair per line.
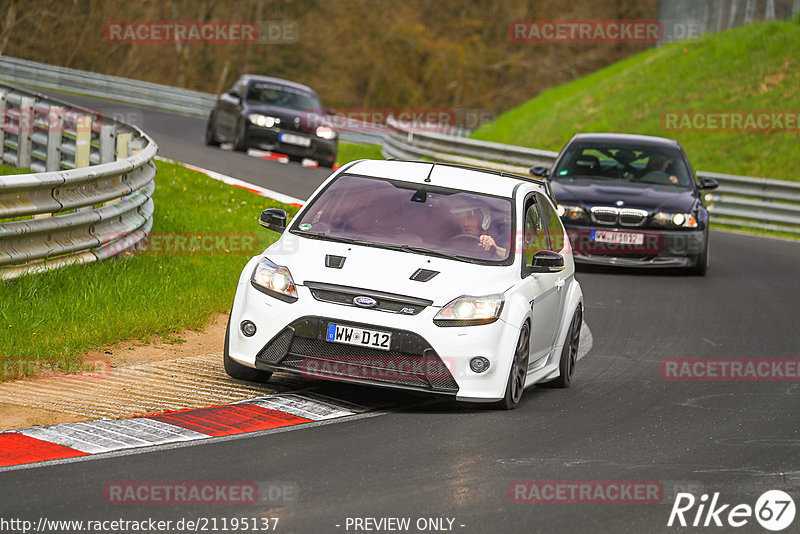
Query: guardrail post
x,y
25,128
107,132
55,130
83,140
124,145
2,124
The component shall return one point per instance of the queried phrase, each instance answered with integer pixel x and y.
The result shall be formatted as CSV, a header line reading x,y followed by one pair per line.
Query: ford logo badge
x,y
365,302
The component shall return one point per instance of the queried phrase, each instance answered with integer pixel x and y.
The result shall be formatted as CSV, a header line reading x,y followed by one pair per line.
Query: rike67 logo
x,y
774,511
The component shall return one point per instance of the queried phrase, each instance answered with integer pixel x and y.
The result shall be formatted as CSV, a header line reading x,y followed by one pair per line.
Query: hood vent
x,y
334,262
423,275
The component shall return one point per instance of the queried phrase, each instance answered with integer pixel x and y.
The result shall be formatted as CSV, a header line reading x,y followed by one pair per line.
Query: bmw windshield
x,y
411,217
622,165
282,96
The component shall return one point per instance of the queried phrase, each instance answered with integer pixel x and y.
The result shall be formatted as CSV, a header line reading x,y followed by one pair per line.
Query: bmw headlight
x,y
265,121
467,311
274,280
680,220
325,132
570,213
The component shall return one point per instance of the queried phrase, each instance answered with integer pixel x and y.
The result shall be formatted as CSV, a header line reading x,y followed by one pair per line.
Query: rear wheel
x,y
569,354
237,370
519,370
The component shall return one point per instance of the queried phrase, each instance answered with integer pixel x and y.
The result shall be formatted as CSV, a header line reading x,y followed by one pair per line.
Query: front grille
x,y
605,215
632,217
385,302
411,362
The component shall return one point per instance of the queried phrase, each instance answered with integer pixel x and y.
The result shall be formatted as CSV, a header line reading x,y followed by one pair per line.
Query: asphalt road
x,y
423,458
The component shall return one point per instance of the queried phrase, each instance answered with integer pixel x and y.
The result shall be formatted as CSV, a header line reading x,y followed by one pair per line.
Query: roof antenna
x,y
428,178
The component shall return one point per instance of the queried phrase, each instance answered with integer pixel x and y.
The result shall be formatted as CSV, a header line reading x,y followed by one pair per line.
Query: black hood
x,y
651,197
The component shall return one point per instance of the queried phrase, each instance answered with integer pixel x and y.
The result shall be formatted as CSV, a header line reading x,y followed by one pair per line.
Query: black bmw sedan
x,y
275,115
631,200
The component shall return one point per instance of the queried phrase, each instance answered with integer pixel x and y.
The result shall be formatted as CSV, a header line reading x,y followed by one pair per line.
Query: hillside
x,y
754,68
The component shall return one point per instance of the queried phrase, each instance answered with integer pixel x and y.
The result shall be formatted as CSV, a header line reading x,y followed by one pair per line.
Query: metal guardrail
x,y
740,201
90,195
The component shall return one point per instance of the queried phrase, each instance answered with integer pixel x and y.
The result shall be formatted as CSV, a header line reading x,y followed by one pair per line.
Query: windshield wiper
x,y
437,253
328,237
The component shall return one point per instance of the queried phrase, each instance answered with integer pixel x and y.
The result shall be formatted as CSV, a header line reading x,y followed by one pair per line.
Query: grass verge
x,y
353,151
49,320
754,67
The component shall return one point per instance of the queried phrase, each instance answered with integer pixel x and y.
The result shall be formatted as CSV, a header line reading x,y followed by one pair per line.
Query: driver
x,y
475,222
656,168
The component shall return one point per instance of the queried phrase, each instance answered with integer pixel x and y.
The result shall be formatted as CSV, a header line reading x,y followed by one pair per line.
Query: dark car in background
x,y
631,200
275,115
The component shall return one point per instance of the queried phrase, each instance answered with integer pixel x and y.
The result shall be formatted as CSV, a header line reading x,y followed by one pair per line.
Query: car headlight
x,y
265,121
681,220
467,311
274,280
570,213
325,132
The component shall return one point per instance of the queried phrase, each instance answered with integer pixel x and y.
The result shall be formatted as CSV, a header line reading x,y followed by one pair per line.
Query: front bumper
x,y
660,248
423,357
322,150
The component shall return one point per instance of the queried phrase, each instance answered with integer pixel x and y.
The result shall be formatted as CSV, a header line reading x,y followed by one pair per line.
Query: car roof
x,y
448,175
279,81
626,139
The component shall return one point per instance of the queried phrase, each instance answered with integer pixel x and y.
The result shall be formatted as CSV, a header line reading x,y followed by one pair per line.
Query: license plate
x,y
358,336
291,139
617,238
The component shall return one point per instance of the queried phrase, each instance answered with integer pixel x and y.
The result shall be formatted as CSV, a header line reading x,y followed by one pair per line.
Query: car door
x,y
229,109
544,288
556,239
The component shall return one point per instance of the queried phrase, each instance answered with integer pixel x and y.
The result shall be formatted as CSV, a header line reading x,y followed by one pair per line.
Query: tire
x,y
569,354
211,135
515,386
238,371
240,137
701,267
296,159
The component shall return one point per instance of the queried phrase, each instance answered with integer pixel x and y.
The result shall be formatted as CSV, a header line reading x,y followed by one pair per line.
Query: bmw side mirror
x,y
546,261
273,219
708,183
542,172
329,111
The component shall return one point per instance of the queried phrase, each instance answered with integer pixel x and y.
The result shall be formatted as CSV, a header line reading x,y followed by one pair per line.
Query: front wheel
x,y
237,370
240,137
211,135
519,370
701,267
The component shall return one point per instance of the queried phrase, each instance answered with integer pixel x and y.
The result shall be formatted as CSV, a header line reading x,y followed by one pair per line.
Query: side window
x,y
553,227
535,234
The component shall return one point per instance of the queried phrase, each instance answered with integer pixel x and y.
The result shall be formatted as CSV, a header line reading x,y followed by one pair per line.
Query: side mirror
x,y
708,183
542,172
273,219
546,261
329,111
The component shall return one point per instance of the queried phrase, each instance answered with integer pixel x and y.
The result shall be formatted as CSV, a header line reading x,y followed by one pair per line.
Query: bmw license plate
x,y
617,238
291,139
358,336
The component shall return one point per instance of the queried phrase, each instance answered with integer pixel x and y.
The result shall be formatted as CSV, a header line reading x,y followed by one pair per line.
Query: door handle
x,y
560,283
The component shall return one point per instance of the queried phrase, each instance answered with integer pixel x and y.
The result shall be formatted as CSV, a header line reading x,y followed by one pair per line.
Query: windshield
x,y
411,217
282,96
623,164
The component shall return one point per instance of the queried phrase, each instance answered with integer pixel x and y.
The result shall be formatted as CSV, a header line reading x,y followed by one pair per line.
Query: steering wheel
x,y
465,237
656,177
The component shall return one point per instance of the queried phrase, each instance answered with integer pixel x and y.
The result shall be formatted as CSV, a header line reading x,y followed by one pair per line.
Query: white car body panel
x,y
536,298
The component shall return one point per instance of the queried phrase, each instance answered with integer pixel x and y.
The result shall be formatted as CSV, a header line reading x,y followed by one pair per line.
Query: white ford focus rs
x,y
422,276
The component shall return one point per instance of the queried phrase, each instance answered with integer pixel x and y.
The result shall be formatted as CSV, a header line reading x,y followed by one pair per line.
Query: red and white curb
x,y
235,182
73,440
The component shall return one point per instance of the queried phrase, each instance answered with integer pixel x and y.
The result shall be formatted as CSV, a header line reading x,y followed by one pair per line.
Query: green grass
x,y
5,170
50,320
353,151
755,67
